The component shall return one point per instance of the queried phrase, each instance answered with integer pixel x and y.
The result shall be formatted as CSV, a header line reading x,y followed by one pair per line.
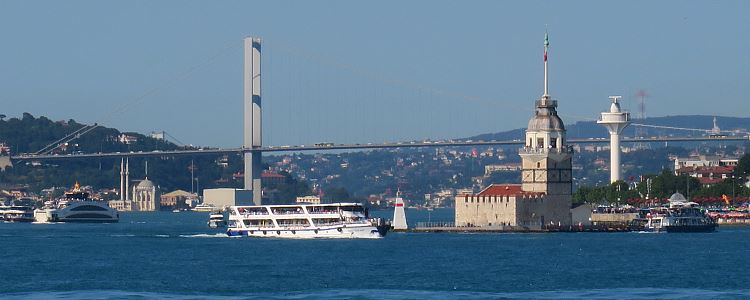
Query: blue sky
x,y
356,71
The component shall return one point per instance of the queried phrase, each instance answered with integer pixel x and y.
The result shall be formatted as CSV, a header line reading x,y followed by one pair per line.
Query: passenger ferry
x,y
16,213
336,220
679,216
77,206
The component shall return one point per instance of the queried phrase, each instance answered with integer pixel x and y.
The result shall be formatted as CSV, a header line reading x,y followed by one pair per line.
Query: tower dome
x,y
546,122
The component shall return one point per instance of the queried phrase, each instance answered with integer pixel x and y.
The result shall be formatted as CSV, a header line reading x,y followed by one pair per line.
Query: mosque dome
x,y
677,197
146,183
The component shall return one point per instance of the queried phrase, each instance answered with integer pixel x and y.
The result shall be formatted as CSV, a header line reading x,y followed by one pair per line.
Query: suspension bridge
x,y
253,145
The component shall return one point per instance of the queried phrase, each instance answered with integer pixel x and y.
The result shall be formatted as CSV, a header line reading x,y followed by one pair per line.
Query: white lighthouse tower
x,y
615,121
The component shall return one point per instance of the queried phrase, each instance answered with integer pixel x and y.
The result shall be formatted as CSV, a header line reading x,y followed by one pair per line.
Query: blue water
x,y
174,255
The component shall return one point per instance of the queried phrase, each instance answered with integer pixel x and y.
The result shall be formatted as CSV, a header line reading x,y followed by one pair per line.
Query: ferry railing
x,y
436,224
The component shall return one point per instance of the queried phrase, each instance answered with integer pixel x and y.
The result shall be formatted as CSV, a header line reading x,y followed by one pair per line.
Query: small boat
x,y
16,213
335,220
216,220
203,207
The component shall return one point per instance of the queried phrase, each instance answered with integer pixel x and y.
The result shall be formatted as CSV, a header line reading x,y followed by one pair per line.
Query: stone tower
x,y
546,157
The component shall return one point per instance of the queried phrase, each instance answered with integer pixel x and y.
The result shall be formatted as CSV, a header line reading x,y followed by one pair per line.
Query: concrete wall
x,y
581,214
485,210
528,211
225,197
613,218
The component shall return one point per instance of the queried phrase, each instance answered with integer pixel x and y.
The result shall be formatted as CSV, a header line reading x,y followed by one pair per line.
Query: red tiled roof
x,y
505,190
707,170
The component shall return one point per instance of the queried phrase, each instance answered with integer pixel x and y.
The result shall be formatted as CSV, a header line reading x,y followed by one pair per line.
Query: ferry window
x,y
89,208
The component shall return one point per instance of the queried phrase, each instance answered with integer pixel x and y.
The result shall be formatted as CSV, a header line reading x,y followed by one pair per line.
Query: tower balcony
x,y
546,103
540,150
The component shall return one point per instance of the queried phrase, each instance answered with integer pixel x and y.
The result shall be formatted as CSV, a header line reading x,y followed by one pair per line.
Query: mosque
x,y
544,196
145,194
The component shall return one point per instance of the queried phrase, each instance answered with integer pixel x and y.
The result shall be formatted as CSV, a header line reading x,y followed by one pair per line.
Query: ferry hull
x,y
692,228
367,232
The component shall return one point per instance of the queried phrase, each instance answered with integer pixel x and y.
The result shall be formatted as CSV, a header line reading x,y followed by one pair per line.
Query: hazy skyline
x,y
400,70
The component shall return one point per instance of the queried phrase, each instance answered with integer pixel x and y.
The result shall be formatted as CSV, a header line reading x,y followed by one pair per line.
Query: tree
x,y
743,168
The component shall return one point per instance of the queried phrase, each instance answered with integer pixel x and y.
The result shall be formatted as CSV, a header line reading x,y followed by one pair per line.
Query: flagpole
x,y
546,83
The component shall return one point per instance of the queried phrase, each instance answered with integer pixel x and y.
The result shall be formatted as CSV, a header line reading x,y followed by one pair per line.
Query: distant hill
x,y
585,129
29,134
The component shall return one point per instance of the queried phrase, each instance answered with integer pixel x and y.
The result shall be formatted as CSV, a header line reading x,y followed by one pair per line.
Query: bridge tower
x,y
252,118
615,121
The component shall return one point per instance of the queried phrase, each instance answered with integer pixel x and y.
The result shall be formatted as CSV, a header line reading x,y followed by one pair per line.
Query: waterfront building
x,y
226,197
178,199
121,205
545,194
707,175
703,161
309,199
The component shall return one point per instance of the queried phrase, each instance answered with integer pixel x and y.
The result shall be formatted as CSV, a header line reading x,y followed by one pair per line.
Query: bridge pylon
x,y
252,118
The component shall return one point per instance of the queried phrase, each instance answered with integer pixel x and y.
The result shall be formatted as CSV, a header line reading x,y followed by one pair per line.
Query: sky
x,y
366,71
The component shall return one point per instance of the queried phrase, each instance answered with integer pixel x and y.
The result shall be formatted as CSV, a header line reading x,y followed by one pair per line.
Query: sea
x,y
168,255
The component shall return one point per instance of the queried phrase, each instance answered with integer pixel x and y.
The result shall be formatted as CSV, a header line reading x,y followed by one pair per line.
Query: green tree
x,y
742,171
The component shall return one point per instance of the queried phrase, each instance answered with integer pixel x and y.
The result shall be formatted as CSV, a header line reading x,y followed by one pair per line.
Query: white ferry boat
x,y
336,220
77,207
680,216
16,213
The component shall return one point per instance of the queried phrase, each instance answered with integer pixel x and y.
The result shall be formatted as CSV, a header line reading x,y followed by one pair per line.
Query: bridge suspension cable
x,y
149,92
682,128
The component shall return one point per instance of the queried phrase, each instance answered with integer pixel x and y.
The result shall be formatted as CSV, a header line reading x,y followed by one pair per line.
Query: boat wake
x,y
205,235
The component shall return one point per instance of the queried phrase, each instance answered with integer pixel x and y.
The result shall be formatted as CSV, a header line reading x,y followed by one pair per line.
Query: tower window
x,y
553,143
540,142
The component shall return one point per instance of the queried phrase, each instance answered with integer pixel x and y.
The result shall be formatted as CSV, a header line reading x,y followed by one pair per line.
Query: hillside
x,y
29,134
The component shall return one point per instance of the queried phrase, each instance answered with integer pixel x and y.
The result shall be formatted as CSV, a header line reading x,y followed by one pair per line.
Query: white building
x,y
309,199
145,196
225,197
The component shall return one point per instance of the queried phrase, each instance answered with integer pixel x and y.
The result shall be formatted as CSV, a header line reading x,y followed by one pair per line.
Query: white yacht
x,y
336,220
216,220
203,207
77,207
16,213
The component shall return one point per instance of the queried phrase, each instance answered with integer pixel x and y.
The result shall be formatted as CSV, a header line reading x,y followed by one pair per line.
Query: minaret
x,y
127,179
122,178
615,121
